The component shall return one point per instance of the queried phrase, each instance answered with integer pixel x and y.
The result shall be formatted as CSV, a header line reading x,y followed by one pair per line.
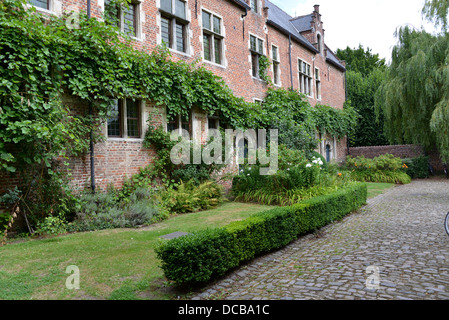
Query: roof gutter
x,y
241,4
338,66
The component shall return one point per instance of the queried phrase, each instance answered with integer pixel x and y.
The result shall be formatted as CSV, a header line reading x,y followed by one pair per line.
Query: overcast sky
x,y
353,22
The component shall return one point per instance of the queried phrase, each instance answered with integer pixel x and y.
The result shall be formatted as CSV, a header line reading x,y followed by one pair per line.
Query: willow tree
x,y
414,97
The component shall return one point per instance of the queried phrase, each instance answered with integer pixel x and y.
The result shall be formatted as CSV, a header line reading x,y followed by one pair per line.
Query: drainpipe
x,y
243,17
290,57
92,162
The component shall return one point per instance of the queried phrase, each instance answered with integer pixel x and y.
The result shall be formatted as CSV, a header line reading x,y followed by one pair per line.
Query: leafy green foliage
x,y
207,255
437,11
361,60
417,168
299,177
414,98
189,197
384,168
365,73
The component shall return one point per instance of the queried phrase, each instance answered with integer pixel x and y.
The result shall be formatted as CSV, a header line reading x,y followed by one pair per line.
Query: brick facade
x,y
117,158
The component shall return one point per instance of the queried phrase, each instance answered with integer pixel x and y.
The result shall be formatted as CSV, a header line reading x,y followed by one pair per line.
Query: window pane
x,y
217,25
40,3
213,123
129,20
165,28
172,124
185,123
206,43
180,45
253,43
255,64
260,46
206,20
275,53
132,115
217,50
180,9
114,127
166,5
275,73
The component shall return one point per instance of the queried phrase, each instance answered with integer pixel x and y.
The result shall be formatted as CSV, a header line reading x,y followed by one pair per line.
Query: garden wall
x,y
401,151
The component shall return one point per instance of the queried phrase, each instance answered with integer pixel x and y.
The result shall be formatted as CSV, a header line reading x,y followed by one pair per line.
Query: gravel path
x,y
393,248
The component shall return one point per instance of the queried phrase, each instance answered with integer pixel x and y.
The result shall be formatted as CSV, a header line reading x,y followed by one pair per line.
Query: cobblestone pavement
x,y
393,248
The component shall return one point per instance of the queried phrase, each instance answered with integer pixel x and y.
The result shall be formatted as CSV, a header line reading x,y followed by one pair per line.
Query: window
x,y
178,123
212,38
44,4
318,83
174,24
305,78
213,121
124,17
319,46
124,121
275,58
256,48
254,5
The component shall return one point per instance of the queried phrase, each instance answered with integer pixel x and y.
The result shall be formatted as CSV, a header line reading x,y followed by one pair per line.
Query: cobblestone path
x,y
393,248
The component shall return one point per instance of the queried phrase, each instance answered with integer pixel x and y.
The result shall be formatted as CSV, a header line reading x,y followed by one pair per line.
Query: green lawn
x,y
113,264
375,189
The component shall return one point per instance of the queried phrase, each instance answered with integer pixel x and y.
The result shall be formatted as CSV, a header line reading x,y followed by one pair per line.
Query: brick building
x,y
229,36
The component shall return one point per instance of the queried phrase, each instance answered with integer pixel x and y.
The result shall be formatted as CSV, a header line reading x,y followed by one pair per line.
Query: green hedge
x,y
209,254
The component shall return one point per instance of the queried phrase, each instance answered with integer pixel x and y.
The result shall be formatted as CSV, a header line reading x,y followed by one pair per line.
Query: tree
x,y
437,11
364,76
414,99
361,60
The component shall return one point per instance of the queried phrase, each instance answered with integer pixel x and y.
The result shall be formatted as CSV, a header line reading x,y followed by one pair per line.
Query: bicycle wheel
x,y
446,223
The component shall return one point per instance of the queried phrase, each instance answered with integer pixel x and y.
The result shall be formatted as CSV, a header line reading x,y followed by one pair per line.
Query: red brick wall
x,y
116,159
401,151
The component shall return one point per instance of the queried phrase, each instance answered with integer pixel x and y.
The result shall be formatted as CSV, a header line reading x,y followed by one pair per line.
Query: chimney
x,y
317,8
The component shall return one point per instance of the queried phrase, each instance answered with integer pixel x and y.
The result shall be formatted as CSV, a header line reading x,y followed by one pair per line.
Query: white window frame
x,y
138,23
276,63
173,18
256,52
318,83
124,123
305,80
213,34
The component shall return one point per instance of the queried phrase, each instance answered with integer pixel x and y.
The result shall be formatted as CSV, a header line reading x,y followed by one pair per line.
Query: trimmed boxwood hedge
x,y
209,254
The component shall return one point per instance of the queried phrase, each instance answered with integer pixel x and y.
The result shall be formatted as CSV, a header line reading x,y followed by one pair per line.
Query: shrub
x,y
417,168
385,168
206,255
52,225
102,211
397,177
188,197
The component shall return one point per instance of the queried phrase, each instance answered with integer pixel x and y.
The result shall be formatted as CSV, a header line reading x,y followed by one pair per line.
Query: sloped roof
x,y
294,26
242,4
281,20
303,23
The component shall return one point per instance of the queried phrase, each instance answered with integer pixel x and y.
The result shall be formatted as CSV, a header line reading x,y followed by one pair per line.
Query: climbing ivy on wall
x,y
44,57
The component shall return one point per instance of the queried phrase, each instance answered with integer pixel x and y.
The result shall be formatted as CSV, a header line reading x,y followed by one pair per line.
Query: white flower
x,y
308,165
248,174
